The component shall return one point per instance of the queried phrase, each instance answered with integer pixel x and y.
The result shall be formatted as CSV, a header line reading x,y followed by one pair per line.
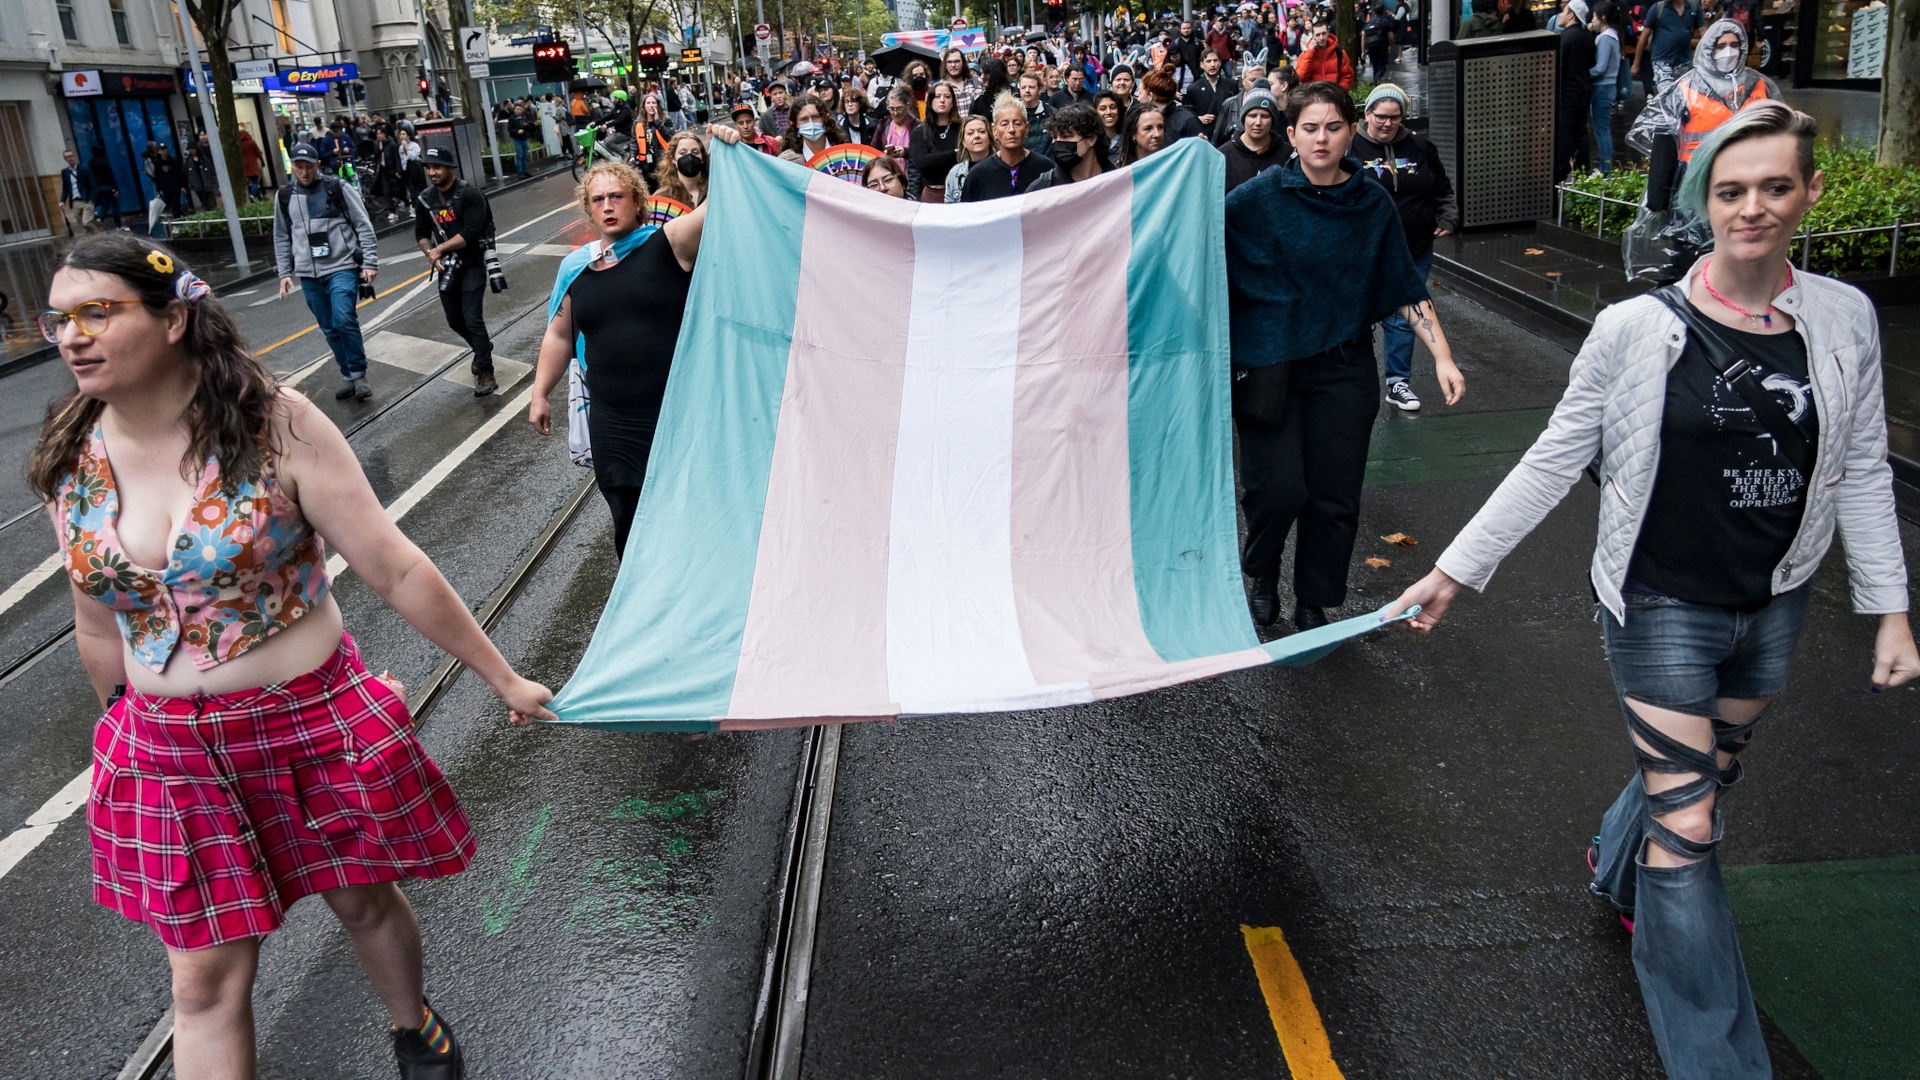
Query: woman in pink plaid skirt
x,y
251,759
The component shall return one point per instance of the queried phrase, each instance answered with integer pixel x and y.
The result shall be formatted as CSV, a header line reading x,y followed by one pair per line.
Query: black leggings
x,y
1308,468
622,501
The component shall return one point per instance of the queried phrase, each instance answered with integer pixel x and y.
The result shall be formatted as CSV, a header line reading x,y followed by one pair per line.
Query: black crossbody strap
x,y
1738,374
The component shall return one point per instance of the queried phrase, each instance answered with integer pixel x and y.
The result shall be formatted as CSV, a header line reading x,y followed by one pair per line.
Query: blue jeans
x,y
520,156
332,299
1684,657
1603,94
1399,336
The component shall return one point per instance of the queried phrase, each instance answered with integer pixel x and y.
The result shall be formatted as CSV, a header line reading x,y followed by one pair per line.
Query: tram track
x,y
386,317
20,665
156,1050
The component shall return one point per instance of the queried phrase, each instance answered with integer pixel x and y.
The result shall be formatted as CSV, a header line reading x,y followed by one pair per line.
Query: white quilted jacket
x,y
1616,394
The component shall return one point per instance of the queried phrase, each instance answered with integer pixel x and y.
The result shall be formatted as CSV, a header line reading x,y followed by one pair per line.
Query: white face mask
x,y
1727,59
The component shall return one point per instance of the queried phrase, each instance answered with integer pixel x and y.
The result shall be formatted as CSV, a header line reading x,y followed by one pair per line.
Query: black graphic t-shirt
x,y
1726,502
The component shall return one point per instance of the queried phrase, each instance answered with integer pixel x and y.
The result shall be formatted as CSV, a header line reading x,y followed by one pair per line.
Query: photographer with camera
x,y
323,236
456,234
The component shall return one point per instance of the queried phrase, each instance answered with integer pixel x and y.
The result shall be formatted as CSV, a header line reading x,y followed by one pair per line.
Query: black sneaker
x,y
1264,602
417,1059
484,384
1401,397
360,388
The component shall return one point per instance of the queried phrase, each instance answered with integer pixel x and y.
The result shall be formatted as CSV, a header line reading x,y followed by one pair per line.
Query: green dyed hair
x,y
1756,121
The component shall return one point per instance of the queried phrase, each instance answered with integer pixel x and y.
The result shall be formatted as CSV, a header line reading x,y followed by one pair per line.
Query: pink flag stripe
x,y
1143,679
1072,514
815,638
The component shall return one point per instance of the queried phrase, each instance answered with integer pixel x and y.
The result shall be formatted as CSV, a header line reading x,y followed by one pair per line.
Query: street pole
x,y
580,9
426,54
760,19
204,81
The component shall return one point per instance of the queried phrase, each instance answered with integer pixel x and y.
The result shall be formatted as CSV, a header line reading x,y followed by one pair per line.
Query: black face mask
x,y
690,165
919,82
1066,155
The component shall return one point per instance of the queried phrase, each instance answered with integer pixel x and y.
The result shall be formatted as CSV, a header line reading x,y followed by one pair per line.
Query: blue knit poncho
x,y
1310,267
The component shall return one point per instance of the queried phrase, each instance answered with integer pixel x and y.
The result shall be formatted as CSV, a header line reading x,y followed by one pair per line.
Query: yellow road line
x,y
1303,1038
361,304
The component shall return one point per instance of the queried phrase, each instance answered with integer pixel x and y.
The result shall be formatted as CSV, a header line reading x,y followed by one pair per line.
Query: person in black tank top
x,y
628,308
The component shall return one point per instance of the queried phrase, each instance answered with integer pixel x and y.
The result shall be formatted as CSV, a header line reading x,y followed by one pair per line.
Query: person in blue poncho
x,y
614,321
1315,256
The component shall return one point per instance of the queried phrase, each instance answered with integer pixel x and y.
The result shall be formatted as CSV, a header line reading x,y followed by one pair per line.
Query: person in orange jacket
x,y
1323,61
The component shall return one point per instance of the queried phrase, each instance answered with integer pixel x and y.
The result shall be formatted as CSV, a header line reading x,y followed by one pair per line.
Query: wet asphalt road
x,y
1052,894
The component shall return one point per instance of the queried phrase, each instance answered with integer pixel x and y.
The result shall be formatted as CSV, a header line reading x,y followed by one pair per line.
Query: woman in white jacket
x,y
1710,529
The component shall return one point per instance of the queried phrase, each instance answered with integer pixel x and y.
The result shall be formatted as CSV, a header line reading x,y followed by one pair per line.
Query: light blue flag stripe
x,y
1186,562
668,643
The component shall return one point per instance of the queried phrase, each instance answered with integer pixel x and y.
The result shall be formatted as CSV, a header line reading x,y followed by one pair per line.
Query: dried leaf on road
x,y
1378,563
1400,538
1535,251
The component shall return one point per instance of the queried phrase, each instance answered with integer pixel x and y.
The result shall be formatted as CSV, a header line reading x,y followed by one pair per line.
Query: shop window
x,y
67,29
120,32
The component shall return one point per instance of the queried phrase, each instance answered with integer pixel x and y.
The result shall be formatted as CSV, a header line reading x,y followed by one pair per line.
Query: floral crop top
x,y
242,568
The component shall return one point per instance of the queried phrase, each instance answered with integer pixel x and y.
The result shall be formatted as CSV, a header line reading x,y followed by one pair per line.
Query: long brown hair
x,y
230,417
666,175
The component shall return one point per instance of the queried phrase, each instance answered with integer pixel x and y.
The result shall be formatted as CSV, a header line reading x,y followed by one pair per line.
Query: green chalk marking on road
x,y
507,896
1833,951
625,895
1462,446
685,804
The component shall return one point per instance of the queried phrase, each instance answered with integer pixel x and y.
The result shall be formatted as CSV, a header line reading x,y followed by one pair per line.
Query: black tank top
x,y
630,314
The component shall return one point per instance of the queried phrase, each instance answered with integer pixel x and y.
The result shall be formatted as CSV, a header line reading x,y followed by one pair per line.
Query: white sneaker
x,y
1400,395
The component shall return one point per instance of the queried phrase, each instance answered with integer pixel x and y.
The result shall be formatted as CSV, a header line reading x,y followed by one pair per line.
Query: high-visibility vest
x,y
1706,112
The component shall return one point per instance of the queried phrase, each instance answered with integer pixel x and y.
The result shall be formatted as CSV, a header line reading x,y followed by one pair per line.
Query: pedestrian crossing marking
x,y
1303,1038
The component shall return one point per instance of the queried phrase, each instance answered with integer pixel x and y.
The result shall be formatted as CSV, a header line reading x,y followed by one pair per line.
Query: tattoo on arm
x,y
1420,317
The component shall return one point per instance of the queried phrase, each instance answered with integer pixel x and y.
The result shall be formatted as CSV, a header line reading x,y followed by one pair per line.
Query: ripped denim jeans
x,y
1684,657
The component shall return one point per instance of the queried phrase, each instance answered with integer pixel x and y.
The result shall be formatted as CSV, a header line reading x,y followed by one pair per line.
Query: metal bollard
x,y
1893,260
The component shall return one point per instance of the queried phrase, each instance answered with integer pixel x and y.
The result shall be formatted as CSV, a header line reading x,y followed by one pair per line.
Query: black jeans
x,y
1308,468
464,316
1570,134
621,502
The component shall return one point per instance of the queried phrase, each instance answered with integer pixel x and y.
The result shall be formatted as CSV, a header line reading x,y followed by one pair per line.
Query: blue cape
x,y
572,266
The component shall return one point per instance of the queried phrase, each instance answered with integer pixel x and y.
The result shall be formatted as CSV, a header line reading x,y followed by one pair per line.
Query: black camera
x,y
366,289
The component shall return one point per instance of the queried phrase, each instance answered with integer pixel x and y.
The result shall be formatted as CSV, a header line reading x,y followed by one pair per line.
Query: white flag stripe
x,y
953,631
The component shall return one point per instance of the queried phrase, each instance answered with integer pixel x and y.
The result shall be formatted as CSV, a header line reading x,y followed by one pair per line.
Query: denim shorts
x,y
1681,656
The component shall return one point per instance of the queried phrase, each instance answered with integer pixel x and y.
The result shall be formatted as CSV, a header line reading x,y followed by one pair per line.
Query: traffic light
x,y
359,91
340,93
552,62
423,86
653,57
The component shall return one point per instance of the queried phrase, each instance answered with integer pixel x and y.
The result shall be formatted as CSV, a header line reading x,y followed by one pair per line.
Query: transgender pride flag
x,y
936,459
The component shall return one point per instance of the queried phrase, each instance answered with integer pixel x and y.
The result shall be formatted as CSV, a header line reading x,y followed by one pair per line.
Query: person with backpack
x,y
323,236
455,233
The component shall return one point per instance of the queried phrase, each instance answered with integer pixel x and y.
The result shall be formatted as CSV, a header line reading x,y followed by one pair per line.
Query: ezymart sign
x,y
316,76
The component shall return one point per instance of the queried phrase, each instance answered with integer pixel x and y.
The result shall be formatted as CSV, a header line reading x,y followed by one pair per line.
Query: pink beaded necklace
x,y
1766,317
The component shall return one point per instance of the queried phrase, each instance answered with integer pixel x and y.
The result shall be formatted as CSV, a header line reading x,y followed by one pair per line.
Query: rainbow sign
x,y
661,209
845,161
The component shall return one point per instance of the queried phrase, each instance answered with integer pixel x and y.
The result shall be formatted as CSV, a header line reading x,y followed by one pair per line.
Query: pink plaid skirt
x,y
211,815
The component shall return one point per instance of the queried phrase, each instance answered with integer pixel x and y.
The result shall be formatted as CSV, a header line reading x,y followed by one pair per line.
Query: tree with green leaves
x,y
214,19
1900,92
1347,30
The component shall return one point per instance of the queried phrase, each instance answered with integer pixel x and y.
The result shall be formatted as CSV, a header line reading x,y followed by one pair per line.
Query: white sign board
x,y
1867,49
479,71
763,32
473,44
80,83
253,70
